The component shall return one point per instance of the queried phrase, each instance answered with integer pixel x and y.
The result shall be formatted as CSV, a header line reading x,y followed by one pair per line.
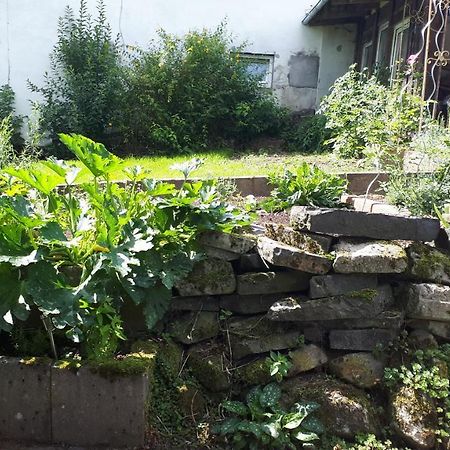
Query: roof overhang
x,y
333,12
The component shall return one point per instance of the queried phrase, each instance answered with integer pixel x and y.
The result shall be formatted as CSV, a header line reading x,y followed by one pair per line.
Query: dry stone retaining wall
x,y
333,288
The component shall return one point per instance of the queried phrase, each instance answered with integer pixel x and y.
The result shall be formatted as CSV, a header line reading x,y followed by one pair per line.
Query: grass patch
x,y
227,163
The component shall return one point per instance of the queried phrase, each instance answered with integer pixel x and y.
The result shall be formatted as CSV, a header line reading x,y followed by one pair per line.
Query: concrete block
x,y
25,408
91,410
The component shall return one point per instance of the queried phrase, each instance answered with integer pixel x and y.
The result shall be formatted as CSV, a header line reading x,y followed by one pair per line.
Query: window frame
x,y
399,30
367,48
267,58
384,27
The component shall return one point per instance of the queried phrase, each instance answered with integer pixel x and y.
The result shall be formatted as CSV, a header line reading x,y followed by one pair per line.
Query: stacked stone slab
x,y
330,288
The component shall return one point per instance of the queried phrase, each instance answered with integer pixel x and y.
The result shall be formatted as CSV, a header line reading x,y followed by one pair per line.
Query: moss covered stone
x,y
209,365
253,373
429,264
414,417
193,327
345,410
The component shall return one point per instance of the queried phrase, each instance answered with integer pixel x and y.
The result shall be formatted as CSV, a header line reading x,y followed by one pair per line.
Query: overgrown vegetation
x,y
87,249
82,90
361,112
307,185
8,113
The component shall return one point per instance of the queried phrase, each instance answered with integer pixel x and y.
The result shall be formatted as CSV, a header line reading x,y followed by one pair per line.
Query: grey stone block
x,y
428,301
369,257
358,305
91,410
207,303
235,243
252,262
284,255
331,285
311,242
213,252
272,282
429,264
440,329
194,327
211,276
25,408
346,222
364,340
248,304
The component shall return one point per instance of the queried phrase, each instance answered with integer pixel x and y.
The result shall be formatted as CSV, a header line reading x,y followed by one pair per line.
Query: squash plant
x,y
77,252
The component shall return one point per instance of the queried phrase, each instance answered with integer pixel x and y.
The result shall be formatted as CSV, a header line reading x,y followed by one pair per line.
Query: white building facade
x,y
301,61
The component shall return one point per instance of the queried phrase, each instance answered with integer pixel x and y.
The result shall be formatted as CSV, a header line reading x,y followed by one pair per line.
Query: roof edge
x,y
314,11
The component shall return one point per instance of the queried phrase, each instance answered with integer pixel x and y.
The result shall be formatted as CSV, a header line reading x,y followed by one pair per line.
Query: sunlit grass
x,y
226,163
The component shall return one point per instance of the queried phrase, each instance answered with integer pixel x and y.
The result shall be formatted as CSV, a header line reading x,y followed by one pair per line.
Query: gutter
x,y
314,11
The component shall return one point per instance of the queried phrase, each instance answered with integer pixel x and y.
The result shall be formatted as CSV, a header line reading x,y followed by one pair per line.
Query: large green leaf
x,y
270,395
37,179
93,155
12,302
235,407
156,305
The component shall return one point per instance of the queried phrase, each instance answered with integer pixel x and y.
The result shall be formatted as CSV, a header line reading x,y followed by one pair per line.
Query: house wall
x,y
307,59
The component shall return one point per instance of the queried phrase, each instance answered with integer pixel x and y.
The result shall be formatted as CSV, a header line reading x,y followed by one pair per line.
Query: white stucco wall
x,y
28,33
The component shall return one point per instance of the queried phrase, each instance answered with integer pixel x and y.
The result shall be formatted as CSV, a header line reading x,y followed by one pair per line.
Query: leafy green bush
x,y
7,153
189,93
307,185
82,90
7,98
420,193
309,136
86,254
261,423
361,112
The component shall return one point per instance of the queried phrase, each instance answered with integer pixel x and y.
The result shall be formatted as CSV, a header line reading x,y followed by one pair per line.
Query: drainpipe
x,y
314,11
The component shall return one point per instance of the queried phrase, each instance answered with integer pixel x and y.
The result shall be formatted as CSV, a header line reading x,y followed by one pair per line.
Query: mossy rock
x,y
429,264
191,401
345,410
208,365
253,373
192,327
414,417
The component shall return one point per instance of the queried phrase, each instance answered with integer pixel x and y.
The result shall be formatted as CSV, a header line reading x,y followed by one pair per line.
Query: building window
x,y
260,65
382,57
366,57
399,53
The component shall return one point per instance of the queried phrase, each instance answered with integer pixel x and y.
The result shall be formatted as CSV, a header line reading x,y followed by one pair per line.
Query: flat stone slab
x,y
337,284
25,400
249,304
211,276
311,242
358,305
429,264
255,335
284,255
207,303
230,242
441,329
427,301
369,257
272,282
364,340
91,410
346,222
213,252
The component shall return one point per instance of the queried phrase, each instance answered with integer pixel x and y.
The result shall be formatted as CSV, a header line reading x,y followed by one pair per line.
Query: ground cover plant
x,y
77,254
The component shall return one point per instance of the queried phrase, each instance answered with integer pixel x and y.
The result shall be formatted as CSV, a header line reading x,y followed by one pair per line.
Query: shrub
x,y
307,185
7,98
361,112
189,93
82,90
6,148
309,136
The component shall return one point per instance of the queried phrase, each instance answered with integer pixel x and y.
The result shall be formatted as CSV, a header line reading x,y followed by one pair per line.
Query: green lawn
x,y
226,163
